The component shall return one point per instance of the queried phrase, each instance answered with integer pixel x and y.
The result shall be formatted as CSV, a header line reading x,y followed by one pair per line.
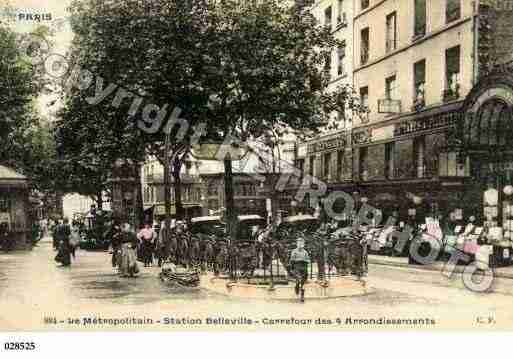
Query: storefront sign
x,y
383,133
429,123
326,145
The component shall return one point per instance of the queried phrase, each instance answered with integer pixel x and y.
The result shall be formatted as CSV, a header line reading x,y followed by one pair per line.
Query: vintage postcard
x,y
272,165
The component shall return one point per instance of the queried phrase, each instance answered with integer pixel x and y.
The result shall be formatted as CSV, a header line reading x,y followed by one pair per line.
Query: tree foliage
x,y
20,83
27,142
242,68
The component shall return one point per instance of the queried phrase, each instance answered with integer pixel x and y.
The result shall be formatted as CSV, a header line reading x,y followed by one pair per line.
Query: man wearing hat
x,y
299,259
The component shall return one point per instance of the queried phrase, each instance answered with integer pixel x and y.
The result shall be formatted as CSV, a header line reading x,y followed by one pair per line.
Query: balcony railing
x,y
342,21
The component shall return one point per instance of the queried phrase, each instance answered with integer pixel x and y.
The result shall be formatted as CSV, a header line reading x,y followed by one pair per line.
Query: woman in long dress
x,y
163,244
128,263
147,236
63,233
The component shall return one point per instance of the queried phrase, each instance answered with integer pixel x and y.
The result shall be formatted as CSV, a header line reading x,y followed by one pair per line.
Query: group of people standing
x,y
128,247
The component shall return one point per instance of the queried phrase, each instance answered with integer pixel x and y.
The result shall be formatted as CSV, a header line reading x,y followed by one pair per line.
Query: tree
x,y
20,83
243,69
264,70
155,65
82,149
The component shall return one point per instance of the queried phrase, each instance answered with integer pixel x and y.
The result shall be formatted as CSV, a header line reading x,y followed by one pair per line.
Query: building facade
x,y
152,180
249,193
203,190
418,67
337,15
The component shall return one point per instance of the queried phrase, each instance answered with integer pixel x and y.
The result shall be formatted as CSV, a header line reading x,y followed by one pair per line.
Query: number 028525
x,y
19,346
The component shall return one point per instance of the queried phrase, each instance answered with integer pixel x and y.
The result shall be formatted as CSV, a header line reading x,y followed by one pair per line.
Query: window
x,y
452,73
452,10
327,64
341,119
363,163
365,4
420,18
391,88
312,165
300,165
419,147
391,34
449,166
341,14
159,198
328,17
389,160
364,103
340,162
364,46
419,70
5,204
341,55
327,166
364,97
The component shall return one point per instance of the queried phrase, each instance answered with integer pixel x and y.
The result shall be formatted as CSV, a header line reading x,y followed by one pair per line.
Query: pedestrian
x,y
44,227
163,244
146,237
36,232
53,229
63,234
299,259
74,240
116,244
128,259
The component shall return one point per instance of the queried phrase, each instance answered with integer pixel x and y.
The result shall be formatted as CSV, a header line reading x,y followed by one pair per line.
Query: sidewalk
x,y
506,272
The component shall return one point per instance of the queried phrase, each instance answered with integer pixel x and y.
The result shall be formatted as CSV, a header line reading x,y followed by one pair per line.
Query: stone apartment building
x,y
438,109
203,189
328,157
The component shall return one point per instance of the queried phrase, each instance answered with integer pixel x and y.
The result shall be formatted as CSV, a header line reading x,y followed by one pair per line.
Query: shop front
x,y
405,168
14,210
485,140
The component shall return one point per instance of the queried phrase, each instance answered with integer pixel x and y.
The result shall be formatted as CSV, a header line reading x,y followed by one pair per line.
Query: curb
x,y
432,268
341,288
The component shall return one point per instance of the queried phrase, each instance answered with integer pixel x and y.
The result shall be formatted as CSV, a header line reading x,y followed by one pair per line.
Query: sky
x,y
25,14
24,18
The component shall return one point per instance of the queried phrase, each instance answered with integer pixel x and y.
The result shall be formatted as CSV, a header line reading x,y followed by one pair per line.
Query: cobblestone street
x,y
33,288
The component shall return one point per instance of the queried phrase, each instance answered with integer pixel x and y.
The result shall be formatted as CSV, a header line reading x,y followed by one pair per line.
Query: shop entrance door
x,y
496,191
